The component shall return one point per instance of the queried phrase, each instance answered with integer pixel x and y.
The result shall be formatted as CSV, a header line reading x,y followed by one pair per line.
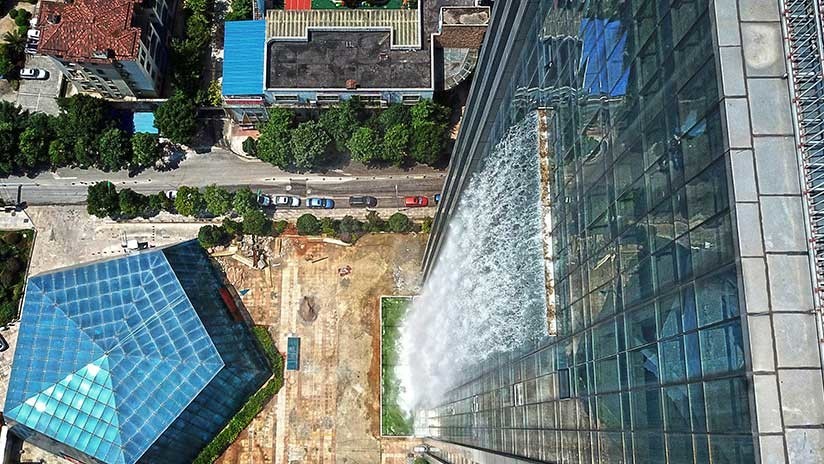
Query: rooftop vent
x,y
53,18
351,84
101,54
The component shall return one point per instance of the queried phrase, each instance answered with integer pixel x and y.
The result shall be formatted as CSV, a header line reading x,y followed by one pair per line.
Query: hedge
x,y
253,406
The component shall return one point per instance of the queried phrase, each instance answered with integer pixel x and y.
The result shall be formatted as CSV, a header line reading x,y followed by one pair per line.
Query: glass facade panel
x,y
648,359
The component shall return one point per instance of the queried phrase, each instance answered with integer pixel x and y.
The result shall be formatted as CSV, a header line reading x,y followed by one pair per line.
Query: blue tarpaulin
x,y
604,75
144,122
244,43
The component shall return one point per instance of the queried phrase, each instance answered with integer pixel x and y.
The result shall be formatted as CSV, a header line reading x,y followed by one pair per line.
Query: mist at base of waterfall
x,y
486,291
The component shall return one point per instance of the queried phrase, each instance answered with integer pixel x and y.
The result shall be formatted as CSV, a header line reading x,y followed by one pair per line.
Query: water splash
x,y
486,291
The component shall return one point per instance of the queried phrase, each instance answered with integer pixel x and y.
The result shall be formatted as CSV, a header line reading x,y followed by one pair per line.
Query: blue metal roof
x,y
144,122
111,355
244,44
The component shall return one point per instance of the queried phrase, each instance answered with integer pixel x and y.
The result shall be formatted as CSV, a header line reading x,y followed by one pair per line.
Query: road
x,y
221,167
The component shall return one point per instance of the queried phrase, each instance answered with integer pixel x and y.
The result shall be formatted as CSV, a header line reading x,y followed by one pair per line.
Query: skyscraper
x,y
679,233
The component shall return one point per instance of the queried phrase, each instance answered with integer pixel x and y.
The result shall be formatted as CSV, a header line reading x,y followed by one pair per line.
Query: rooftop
x,y
243,47
118,360
89,30
331,58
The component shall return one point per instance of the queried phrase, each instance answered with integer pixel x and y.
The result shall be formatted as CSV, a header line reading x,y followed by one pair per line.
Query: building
x,y
134,359
677,191
310,57
114,49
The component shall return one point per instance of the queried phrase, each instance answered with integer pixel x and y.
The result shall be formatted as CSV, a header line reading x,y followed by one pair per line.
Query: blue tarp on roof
x,y
604,75
144,122
244,43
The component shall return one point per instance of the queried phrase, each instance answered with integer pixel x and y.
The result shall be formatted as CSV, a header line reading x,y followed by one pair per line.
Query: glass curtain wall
x,y
648,365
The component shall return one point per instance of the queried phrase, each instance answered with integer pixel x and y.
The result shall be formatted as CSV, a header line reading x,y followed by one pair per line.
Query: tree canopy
x,y
189,201
309,143
308,224
273,144
364,145
176,118
102,200
218,200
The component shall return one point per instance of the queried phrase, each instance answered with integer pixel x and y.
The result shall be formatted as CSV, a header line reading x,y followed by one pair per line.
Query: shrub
x,y
329,227
279,227
211,236
400,223
233,228
250,146
12,238
308,224
374,223
426,225
8,312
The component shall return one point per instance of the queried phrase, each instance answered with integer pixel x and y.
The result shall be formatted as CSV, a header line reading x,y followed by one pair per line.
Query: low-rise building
x,y
116,49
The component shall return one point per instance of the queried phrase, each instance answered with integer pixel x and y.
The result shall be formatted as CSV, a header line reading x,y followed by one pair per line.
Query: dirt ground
x,y
328,411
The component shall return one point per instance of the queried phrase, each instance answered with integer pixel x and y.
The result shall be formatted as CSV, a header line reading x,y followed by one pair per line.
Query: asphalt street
x,y
220,167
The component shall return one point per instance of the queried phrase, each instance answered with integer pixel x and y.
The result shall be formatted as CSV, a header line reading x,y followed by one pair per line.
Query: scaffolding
x,y
802,24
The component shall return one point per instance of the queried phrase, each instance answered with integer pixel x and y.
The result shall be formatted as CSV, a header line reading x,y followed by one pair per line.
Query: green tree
x,y
273,144
241,9
250,146
308,224
395,143
349,229
145,150
256,223
329,226
12,123
114,149
245,201
309,143
7,60
428,111
364,145
35,140
102,200
396,114
132,204
160,202
279,227
426,225
218,200
340,121
233,228
427,142
210,236
374,223
400,223
215,93
176,118
189,201
82,118
59,153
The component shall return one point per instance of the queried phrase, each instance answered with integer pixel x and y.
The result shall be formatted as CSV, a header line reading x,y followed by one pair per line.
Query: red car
x,y
414,202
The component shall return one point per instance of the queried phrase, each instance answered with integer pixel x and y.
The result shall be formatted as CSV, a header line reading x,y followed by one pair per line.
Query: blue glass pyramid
x,y
130,360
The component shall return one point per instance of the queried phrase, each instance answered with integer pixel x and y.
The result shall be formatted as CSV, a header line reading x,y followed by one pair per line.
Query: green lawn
x,y
389,5
15,251
394,420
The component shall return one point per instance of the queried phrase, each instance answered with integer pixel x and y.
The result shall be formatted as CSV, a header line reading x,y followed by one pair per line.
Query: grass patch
x,y
253,406
15,252
394,420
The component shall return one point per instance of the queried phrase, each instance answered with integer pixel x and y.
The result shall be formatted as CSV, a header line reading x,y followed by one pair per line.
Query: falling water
x,y
486,292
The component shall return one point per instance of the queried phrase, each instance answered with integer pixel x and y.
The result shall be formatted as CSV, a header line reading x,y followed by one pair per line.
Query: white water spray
x,y
486,291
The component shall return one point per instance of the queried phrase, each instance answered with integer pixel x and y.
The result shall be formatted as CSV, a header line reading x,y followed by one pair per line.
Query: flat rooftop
x,y
330,58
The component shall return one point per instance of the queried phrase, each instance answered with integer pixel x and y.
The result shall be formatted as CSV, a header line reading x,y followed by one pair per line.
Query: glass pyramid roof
x,y
108,356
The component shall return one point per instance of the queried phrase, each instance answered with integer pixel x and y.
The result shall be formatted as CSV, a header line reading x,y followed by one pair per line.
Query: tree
x,y
176,118
218,200
7,60
35,140
329,226
256,223
340,121
250,146
189,201
374,223
160,202
308,224
114,149
245,201
273,143
349,229
364,145
215,93
132,204
82,118
12,122
308,143
426,225
396,114
241,9
400,223
233,228
279,227
427,142
395,143
145,150
102,200
210,236
428,111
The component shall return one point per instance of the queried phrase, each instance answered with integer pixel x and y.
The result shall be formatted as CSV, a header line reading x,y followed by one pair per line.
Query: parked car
x,y
324,203
416,201
363,202
264,200
171,194
33,34
437,198
287,201
34,73
4,345
31,47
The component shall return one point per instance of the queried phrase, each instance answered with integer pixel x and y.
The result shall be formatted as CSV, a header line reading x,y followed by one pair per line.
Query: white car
x,y
171,194
287,201
34,73
33,34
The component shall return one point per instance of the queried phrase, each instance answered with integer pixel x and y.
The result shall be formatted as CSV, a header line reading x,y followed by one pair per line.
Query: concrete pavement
x,y
221,167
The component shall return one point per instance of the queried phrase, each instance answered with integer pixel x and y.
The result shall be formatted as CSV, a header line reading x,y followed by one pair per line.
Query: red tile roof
x,y
88,26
